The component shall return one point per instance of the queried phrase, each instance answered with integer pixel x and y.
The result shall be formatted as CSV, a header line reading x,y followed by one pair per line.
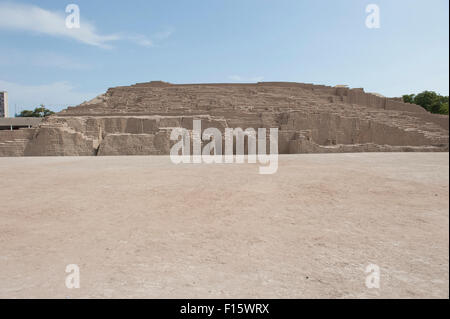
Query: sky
x,y
203,41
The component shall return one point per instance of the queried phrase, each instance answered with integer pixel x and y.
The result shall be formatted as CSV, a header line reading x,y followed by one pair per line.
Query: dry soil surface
x,y
144,227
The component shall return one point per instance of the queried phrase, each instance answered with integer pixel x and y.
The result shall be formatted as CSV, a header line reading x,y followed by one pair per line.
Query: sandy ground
x,y
144,227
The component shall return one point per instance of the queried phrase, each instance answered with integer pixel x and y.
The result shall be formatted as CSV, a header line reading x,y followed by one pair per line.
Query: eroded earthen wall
x,y
137,120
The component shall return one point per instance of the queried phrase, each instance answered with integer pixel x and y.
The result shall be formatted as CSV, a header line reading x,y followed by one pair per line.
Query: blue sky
x,y
124,42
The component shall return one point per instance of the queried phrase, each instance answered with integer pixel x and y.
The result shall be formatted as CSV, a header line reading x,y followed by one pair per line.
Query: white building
x,y
3,104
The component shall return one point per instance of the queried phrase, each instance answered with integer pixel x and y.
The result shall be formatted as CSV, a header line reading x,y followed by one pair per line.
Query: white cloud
x,y
150,42
56,96
141,40
35,19
53,23
238,78
164,34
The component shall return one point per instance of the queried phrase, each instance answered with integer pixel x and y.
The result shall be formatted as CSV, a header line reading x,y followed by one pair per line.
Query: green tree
x,y
444,108
408,98
26,113
40,111
429,100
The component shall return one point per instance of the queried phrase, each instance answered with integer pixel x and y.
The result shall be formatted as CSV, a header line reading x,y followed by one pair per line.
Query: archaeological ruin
x,y
138,119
